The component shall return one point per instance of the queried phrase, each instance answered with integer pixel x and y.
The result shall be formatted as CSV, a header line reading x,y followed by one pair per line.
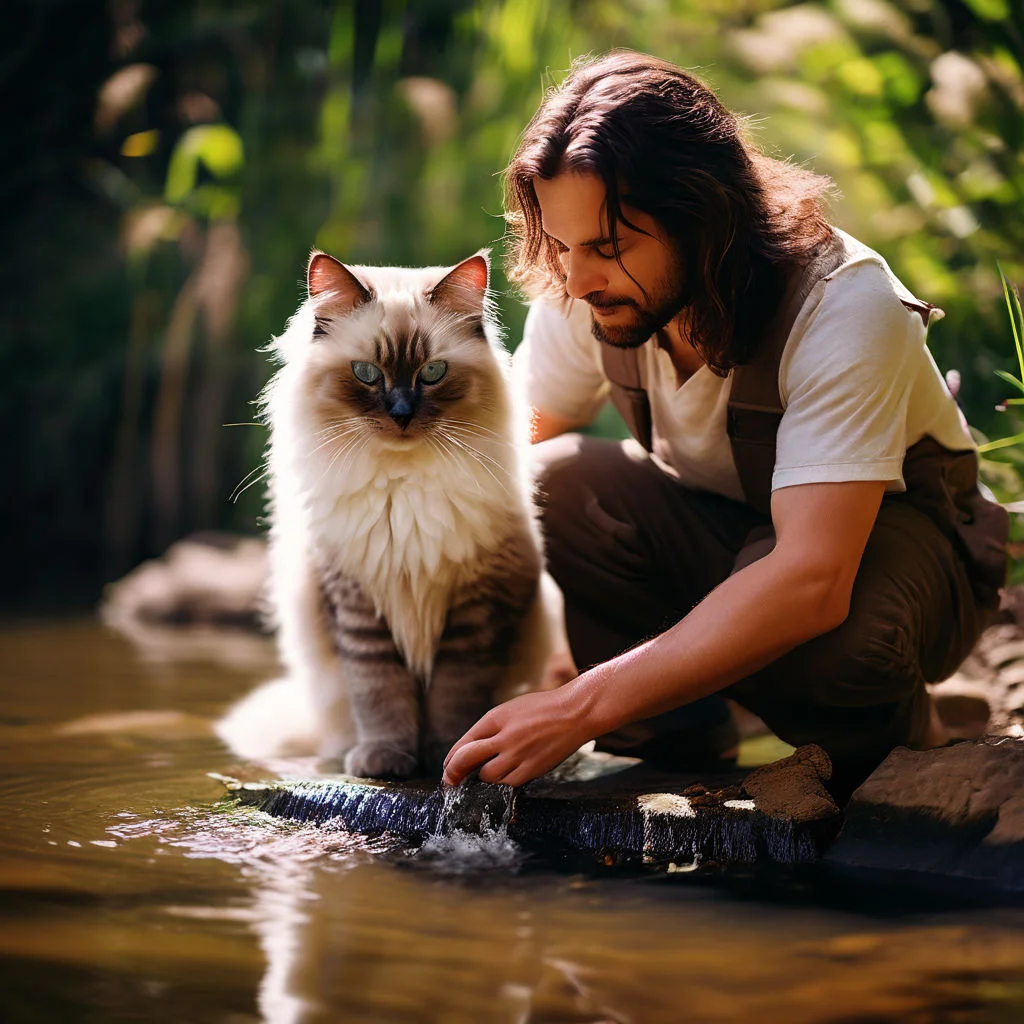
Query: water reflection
x,y
129,892
348,937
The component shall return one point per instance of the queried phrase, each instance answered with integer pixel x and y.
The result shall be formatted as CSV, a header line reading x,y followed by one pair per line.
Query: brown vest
x,y
942,483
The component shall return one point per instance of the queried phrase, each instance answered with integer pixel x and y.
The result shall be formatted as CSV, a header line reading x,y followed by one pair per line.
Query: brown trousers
x,y
634,550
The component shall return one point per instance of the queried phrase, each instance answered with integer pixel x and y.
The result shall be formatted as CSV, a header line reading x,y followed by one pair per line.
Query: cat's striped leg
x,y
471,662
384,694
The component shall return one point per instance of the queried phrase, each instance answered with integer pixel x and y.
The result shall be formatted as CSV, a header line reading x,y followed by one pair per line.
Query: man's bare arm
x,y
800,590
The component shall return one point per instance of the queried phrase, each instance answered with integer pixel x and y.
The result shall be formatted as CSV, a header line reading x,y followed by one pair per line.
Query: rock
x,y
993,672
963,707
209,578
954,812
794,786
602,808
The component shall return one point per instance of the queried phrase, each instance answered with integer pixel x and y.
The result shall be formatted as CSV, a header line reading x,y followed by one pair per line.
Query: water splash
x,y
471,835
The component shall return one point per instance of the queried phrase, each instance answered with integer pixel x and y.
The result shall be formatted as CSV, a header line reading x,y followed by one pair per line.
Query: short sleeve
x,y
846,379
558,364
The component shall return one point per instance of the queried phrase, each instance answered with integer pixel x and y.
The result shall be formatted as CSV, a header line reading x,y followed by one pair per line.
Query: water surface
x,y
127,894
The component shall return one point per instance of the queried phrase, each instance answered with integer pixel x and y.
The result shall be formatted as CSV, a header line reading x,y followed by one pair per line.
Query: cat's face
x,y
399,355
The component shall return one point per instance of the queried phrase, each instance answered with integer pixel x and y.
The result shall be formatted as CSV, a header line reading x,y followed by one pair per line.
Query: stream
x,y
132,892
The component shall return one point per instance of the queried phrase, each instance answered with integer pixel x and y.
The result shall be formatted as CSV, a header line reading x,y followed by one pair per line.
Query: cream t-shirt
x,y
857,383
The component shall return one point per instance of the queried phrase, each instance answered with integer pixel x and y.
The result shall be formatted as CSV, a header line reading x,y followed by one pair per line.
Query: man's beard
x,y
647,322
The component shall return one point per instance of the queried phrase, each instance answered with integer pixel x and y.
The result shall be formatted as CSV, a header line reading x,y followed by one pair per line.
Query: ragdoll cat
x,y
406,562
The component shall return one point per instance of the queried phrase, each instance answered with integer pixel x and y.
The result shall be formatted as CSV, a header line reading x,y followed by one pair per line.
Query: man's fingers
x,y
497,768
484,729
464,757
518,775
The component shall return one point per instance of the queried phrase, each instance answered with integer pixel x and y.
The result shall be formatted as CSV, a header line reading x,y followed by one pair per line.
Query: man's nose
x,y
582,276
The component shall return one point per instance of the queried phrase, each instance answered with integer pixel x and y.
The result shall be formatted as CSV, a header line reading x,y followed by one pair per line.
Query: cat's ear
x,y
326,274
464,288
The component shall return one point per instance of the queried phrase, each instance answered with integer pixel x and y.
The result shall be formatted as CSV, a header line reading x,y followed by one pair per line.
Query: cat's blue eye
x,y
433,371
366,372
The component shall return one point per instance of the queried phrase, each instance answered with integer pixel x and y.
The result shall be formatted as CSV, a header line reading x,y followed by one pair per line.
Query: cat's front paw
x,y
380,761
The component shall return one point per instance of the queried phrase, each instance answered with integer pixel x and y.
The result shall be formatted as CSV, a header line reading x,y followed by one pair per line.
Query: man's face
x,y
573,215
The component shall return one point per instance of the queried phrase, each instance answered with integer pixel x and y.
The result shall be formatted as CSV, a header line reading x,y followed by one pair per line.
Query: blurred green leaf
x,y
861,77
1010,379
991,10
217,147
902,81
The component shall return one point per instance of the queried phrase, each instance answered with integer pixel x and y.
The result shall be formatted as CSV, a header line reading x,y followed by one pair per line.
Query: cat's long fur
x,y
406,561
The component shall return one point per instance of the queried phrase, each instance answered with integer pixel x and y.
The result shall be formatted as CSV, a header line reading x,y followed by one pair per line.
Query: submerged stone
x,y
954,812
602,808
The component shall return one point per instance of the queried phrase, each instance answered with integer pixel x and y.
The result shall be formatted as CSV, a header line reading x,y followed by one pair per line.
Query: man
x,y
819,564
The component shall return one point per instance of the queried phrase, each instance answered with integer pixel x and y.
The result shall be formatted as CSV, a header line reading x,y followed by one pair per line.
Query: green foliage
x,y
244,134
217,148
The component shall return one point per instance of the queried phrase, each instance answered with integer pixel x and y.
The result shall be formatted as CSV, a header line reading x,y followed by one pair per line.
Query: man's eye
x,y
366,372
433,371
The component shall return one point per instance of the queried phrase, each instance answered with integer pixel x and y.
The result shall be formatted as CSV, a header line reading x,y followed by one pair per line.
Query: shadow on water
x,y
129,890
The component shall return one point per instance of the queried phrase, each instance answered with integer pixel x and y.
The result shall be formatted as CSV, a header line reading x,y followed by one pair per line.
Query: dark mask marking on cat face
x,y
401,354
400,400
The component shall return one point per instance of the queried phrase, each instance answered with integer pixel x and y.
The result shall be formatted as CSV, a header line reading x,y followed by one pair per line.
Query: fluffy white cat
x,y
407,577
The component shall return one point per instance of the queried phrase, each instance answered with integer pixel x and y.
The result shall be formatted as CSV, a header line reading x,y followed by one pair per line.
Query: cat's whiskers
x,y
461,438
336,435
487,445
263,469
339,421
468,426
241,487
442,446
349,450
480,458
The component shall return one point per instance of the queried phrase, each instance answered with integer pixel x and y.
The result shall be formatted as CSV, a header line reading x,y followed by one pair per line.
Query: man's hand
x,y
520,739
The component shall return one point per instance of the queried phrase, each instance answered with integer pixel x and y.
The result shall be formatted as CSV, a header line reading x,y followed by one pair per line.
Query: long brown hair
x,y
662,142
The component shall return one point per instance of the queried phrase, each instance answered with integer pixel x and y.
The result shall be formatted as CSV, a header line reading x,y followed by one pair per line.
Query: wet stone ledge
x,y
609,810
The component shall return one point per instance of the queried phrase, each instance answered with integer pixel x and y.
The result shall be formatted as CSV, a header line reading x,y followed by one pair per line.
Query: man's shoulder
x,y
864,275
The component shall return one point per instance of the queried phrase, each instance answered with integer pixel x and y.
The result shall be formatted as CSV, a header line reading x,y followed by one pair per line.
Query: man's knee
x,y
583,499
557,471
871,658
567,465
584,492
851,690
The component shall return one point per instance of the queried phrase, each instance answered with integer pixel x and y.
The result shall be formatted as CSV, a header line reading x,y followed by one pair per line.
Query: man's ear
x,y
464,288
326,275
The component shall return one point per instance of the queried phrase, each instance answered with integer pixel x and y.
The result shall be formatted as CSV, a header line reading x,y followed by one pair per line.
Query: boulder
x,y
953,812
208,578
